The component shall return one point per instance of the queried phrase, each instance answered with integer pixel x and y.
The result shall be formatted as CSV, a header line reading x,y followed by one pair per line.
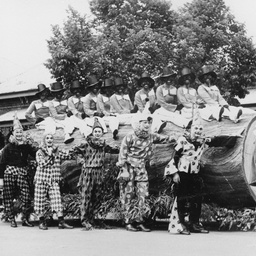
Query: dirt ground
x,y
117,241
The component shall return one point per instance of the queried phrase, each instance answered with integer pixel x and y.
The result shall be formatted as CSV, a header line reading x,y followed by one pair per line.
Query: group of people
x,y
108,103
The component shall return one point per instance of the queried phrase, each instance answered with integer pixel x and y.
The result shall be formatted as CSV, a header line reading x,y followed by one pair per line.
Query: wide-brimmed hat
x,y
145,77
41,88
207,70
168,72
184,73
75,85
118,82
56,87
107,84
92,81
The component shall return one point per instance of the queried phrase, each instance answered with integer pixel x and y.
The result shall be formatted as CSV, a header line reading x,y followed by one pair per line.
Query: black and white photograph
x,y
127,127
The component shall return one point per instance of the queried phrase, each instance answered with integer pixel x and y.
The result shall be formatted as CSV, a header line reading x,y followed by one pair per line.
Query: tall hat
x,y
207,70
107,84
92,81
56,87
184,73
75,85
16,122
146,77
41,88
96,124
118,81
168,72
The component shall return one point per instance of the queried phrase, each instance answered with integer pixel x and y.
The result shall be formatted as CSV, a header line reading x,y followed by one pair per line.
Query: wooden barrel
x,y
229,173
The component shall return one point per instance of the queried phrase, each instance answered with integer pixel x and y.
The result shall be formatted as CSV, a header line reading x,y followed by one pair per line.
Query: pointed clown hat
x,y
96,124
16,122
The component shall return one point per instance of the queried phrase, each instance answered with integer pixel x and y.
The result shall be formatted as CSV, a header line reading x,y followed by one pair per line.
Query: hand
x,y
176,178
119,165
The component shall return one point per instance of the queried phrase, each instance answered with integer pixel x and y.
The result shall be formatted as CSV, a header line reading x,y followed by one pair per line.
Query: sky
x,y
26,27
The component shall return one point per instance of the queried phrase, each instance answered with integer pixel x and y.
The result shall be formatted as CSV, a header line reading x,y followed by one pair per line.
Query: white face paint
x,y
97,132
49,140
145,125
18,134
196,131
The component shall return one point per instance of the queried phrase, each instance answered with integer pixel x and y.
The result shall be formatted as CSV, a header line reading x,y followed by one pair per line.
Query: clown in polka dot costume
x,y
184,170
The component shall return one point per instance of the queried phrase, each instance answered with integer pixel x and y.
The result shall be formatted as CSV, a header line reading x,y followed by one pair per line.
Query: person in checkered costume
x,y
91,155
14,166
135,153
184,171
47,178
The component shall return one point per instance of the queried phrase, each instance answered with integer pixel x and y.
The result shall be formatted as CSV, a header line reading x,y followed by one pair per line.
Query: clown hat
x,y
16,122
96,124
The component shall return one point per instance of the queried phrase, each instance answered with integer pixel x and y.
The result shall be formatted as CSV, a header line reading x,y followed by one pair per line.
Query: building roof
x,y
6,119
26,81
249,98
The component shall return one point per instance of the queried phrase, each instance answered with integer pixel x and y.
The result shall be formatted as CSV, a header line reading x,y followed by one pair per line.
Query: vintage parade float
x,y
229,173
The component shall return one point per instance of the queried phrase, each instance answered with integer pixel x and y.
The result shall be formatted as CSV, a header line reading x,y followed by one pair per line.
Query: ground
x,y
117,241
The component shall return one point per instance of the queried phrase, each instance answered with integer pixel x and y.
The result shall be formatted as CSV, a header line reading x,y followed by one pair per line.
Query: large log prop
x,y
229,174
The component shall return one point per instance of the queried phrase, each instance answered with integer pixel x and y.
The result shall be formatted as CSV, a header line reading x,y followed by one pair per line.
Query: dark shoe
x,y
184,231
197,228
143,228
50,221
162,126
115,132
68,139
189,125
130,227
135,109
13,224
221,113
87,226
239,113
43,226
63,224
26,223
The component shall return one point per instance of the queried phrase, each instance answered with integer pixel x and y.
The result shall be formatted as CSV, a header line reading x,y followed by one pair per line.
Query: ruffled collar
x,y
95,143
44,149
13,140
141,134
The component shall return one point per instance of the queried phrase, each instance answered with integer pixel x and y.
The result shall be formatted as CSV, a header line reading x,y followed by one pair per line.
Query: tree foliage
x,y
207,33
127,37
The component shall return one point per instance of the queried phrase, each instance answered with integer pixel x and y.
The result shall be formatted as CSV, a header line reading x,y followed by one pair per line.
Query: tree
x,y
71,48
136,35
127,37
207,33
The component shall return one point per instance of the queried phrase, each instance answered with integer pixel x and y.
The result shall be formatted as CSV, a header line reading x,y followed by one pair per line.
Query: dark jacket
x,y
15,155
